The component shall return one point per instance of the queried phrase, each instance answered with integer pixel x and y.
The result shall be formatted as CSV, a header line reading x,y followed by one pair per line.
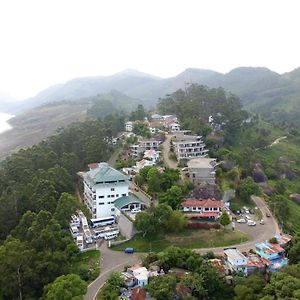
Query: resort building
x,y
102,186
144,145
188,146
201,170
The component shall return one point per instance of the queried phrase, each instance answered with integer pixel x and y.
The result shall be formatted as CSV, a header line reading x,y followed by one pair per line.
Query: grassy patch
x,y
87,265
189,238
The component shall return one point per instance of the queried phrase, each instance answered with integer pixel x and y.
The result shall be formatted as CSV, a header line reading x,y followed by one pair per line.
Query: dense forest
x,y
36,202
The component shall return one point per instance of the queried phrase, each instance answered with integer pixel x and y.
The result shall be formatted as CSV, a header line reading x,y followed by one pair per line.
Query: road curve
x,y
268,230
110,261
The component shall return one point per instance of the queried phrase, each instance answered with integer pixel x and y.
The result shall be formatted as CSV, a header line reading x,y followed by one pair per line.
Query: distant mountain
x,y
260,89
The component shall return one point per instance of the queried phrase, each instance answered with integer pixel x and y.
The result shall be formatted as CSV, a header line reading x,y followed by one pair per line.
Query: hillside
x,y
32,126
276,96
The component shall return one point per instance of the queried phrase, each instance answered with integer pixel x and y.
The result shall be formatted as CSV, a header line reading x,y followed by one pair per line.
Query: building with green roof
x,y
103,185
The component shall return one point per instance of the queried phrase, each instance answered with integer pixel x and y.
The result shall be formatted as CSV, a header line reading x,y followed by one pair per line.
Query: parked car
x,y
135,210
262,222
247,211
248,217
129,250
136,189
251,211
268,215
241,221
251,223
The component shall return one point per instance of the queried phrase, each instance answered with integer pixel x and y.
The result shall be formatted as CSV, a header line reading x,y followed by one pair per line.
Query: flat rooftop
x,y
234,254
202,162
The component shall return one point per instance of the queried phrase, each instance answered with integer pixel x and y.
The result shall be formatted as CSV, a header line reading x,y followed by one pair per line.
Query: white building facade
x,y
129,126
188,146
102,186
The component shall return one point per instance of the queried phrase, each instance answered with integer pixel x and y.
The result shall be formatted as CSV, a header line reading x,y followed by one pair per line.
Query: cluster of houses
x,y
269,256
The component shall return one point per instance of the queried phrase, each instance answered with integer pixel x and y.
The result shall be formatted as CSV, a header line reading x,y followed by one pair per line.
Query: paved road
x,y
258,233
110,261
166,152
139,194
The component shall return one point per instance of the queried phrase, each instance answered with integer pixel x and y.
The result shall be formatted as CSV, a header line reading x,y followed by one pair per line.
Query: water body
x,y
3,122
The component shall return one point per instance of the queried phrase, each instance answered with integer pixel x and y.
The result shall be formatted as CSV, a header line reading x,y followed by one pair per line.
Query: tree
x,y
66,206
139,114
141,129
162,287
172,197
294,253
110,291
224,219
66,287
196,283
247,188
144,222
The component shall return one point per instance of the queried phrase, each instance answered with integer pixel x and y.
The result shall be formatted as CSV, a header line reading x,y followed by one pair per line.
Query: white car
x,y
135,210
241,221
251,223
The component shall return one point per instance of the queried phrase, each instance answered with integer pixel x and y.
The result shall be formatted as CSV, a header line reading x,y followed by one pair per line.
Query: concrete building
x,y
174,127
235,260
102,186
129,126
188,146
144,145
208,208
141,275
201,170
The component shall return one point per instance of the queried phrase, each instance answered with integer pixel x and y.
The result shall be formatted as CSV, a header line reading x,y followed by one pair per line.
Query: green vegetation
x,y
36,187
160,219
110,290
141,129
66,287
188,238
224,219
87,265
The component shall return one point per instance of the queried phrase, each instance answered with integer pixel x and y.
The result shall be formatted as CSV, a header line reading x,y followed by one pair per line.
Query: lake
x,y
3,121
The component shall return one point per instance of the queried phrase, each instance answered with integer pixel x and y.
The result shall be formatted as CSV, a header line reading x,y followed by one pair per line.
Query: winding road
x,y
111,261
115,261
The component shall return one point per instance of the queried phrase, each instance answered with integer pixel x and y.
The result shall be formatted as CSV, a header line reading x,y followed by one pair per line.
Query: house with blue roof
x,y
274,254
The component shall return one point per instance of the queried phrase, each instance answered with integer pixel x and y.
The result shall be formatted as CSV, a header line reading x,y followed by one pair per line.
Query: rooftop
x,y
202,162
103,173
269,248
235,254
206,203
123,201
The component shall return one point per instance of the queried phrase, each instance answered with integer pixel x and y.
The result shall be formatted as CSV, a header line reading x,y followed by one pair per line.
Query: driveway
x,y
110,261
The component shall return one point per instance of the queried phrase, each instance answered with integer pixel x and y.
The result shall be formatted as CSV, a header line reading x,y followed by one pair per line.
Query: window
x,y
117,195
112,189
108,196
112,209
112,196
101,203
108,202
123,195
100,197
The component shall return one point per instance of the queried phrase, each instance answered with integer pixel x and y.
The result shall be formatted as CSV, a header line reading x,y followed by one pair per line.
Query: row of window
x,y
111,196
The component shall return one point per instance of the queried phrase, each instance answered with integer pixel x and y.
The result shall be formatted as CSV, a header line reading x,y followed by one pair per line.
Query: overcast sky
x,y
47,42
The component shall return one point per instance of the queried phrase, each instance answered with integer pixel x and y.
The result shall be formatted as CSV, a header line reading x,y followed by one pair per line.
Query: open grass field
x,y
87,265
189,238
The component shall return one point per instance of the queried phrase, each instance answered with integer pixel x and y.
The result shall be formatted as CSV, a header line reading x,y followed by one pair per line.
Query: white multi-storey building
x,y
129,126
102,186
188,146
144,145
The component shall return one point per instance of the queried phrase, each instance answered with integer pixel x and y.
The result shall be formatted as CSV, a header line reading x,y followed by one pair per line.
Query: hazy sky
x,y
47,42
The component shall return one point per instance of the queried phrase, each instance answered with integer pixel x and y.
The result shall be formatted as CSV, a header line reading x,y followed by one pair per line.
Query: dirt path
x,y
166,152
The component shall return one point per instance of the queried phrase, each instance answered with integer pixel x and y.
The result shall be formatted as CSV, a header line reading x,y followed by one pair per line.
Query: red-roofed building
x,y
208,208
138,294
